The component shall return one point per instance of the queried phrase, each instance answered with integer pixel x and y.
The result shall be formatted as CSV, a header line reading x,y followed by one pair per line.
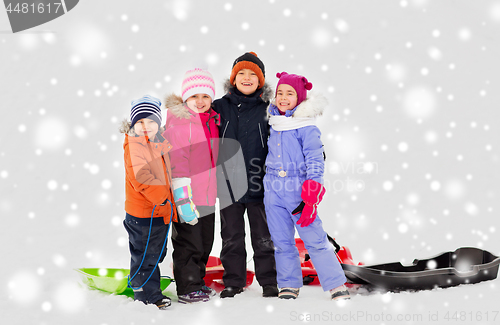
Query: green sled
x,y
113,281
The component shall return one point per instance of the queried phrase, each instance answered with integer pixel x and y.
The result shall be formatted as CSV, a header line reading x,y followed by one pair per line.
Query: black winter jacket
x,y
244,125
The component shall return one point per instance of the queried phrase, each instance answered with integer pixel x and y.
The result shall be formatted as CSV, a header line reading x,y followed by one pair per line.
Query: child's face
x,y
145,127
246,81
286,97
199,103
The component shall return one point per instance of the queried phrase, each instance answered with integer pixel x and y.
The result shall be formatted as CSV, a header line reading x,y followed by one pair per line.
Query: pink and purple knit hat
x,y
198,81
299,83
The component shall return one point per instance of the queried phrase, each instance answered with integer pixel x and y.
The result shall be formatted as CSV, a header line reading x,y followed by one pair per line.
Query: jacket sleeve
x,y
180,153
312,149
141,174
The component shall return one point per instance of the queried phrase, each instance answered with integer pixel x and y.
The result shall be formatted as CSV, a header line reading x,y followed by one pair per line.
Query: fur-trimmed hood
x,y
267,90
126,128
314,105
176,106
182,114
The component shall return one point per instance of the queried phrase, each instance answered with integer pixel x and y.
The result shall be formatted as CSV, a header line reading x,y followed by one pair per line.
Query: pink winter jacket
x,y
195,145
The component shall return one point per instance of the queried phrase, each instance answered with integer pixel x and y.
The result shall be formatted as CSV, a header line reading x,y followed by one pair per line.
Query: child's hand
x,y
188,213
308,216
312,194
183,197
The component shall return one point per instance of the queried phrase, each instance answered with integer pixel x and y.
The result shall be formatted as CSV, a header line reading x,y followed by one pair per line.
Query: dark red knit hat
x,y
299,83
250,61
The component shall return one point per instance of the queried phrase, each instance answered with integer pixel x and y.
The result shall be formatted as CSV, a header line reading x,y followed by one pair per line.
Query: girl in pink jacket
x,y
191,129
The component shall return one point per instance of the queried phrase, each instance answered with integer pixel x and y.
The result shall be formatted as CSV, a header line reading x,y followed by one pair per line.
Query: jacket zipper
x,y
211,154
190,132
261,140
223,133
149,145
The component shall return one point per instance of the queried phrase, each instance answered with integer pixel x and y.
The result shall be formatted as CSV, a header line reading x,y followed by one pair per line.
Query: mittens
x,y
312,194
183,198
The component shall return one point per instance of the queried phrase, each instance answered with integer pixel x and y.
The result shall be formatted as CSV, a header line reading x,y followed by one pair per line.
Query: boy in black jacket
x,y
244,127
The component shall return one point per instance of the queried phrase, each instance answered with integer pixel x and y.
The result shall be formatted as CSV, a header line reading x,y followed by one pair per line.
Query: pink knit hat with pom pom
x,y
299,83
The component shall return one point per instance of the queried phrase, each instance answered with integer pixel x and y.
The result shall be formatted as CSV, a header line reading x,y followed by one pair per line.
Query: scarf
x,y
283,123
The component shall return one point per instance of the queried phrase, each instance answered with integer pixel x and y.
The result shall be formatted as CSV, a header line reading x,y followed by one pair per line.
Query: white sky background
x,y
411,133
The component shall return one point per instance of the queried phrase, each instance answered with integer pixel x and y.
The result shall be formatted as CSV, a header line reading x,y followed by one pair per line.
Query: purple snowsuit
x,y
295,155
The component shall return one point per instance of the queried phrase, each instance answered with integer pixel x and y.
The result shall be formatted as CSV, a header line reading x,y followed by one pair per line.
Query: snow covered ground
x,y
472,304
411,136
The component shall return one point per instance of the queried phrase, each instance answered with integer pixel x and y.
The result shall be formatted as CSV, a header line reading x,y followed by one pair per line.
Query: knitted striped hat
x,y
145,107
198,81
250,61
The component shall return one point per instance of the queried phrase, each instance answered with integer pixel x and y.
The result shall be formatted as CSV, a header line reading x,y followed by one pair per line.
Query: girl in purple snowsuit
x,y
293,188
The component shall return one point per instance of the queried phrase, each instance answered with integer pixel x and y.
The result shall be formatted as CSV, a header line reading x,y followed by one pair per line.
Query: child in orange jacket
x,y
148,204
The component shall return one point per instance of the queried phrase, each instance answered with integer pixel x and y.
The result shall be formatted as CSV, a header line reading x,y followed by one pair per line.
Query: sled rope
x,y
146,250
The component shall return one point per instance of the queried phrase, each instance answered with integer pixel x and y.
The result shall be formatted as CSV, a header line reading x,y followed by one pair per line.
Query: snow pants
x,y
233,254
138,231
282,196
192,247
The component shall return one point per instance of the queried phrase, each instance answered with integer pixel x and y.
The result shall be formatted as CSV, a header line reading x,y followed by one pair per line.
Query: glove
x,y
183,198
312,194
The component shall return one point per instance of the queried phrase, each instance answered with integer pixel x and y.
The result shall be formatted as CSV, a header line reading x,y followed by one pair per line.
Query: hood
x,y
313,106
126,128
176,106
267,90
182,114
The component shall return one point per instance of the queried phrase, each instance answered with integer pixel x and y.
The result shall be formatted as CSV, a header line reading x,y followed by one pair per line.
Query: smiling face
x,y
199,103
246,81
286,97
146,127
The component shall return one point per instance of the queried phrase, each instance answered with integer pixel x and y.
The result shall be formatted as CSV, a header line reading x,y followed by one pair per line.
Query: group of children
x,y
175,173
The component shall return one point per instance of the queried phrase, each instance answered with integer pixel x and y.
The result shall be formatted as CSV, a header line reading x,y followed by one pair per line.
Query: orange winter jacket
x,y
148,177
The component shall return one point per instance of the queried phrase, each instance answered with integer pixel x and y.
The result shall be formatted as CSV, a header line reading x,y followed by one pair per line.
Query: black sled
x,y
466,265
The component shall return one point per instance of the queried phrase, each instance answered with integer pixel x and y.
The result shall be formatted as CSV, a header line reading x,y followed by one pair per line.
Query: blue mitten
x,y
183,198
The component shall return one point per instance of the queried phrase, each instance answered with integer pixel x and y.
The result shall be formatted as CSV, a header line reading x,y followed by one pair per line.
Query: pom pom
x,y
307,84
253,53
282,74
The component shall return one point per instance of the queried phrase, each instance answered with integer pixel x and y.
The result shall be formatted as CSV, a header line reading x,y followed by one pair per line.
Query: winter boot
x,y
288,293
270,290
230,292
195,296
209,291
163,303
340,293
